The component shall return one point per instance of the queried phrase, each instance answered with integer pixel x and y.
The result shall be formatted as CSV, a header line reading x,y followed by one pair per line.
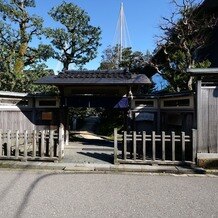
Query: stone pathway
x,y
87,135
88,148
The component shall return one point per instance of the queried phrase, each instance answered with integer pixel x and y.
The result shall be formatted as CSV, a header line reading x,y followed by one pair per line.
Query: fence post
x,y
1,143
25,143
34,143
143,145
134,144
17,144
9,143
194,145
163,146
183,146
51,143
61,141
173,145
47,150
153,146
124,145
115,146
67,138
42,143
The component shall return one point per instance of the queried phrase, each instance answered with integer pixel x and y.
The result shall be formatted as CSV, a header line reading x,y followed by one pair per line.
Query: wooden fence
x,y
35,145
154,148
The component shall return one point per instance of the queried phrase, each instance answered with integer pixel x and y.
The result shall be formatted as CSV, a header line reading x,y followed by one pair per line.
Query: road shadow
x,y
28,193
109,158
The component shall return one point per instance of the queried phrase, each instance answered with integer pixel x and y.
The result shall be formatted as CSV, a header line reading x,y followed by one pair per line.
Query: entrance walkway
x,y
86,147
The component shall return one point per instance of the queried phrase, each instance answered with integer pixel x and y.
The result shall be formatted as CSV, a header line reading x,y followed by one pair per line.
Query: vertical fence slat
x,y
9,143
143,145
62,144
194,145
173,145
115,146
153,146
124,145
51,143
17,144
67,138
47,149
25,143
163,145
183,146
134,144
61,141
1,143
34,143
42,150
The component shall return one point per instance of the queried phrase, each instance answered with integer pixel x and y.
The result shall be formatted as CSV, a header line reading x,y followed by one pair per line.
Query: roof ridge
x,y
122,74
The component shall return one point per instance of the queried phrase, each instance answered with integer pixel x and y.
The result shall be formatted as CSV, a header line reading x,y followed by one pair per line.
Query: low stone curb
x,y
214,172
73,167
119,168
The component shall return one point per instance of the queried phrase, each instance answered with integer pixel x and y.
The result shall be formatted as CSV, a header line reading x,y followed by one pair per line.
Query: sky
x,y
143,18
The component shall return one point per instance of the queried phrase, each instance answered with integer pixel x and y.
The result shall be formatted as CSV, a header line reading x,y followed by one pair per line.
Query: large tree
x,y
77,41
134,61
18,28
184,33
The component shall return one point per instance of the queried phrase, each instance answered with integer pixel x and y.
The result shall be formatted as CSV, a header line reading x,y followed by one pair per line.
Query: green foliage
x,y
17,30
136,62
182,37
8,45
77,41
20,28
110,119
110,59
37,72
25,82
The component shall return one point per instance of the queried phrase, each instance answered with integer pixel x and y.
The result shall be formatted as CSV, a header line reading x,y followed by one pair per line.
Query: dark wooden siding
x,y
16,120
21,112
176,113
208,124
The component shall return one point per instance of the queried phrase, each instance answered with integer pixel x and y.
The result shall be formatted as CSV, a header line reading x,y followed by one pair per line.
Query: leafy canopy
x,y
76,42
136,62
18,28
184,33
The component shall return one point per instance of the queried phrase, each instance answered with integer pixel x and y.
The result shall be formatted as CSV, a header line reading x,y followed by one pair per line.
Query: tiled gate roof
x,y
95,77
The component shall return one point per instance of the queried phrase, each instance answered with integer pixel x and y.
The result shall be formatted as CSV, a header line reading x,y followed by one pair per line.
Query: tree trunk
x,y
19,63
66,65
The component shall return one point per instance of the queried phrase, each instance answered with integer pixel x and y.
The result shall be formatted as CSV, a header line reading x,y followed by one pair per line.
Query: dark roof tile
x,y
116,74
95,77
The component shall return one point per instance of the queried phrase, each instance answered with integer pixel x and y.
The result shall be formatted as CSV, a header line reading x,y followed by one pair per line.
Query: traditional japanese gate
x,y
110,88
106,88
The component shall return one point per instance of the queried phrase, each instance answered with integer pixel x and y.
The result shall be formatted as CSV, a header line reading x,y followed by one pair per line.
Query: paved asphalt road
x,y
46,194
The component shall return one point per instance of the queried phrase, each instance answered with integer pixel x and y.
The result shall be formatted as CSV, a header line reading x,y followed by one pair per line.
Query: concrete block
x,y
207,160
103,167
132,168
